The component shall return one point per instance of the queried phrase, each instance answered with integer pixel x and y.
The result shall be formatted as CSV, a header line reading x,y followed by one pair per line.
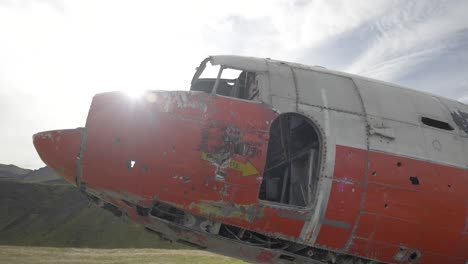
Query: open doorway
x,y
292,161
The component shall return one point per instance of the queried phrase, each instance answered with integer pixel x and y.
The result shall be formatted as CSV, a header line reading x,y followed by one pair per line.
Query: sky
x,y
55,55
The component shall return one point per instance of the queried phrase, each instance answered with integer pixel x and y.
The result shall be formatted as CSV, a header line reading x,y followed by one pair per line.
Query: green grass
x,y
60,216
26,255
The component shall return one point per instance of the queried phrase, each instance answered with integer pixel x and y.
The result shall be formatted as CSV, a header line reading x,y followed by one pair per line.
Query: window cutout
x,y
232,82
292,161
436,123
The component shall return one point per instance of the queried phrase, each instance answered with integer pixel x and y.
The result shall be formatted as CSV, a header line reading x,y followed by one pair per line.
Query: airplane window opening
x,y
436,123
232,83
292,161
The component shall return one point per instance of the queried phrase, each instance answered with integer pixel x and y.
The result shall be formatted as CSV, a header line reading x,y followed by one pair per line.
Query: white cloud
x,y
410,34
291,26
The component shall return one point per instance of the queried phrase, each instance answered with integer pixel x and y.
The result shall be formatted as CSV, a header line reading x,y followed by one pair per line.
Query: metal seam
x,y
366,171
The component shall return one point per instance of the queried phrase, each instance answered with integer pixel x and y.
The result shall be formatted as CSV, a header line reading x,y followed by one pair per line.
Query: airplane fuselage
x,y
284,164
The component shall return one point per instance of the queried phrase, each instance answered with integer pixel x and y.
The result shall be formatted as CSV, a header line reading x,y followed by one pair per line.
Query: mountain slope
x,y
42,175
12,172
60,216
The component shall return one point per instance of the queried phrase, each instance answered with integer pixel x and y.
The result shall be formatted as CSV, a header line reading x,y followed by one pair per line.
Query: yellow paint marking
x,y
246,169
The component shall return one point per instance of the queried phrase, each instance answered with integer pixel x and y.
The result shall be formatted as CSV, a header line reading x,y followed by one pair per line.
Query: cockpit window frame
x,y
215,90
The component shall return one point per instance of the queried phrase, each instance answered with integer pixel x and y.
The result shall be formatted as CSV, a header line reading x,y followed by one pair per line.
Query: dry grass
x,y
26,255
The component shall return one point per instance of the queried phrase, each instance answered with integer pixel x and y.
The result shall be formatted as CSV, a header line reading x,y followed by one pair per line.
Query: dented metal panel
x,y
60,148
225,150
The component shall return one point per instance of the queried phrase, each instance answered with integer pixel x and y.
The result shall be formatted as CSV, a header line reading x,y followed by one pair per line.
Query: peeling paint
x,y
461,119
181,100
220,209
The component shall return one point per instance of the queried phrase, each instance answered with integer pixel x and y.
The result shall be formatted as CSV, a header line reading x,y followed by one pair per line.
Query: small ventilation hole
x,y
415,255
414,180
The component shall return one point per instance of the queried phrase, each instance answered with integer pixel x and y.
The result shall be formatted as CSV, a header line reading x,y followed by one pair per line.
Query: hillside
x,y
12,172
59,215
42,175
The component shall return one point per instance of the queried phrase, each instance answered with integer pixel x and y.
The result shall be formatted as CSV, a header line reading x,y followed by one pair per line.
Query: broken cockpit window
x,y
225,81
292,161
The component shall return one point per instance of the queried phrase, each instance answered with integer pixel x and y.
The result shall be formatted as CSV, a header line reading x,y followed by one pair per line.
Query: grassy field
x,y
59,216
26,255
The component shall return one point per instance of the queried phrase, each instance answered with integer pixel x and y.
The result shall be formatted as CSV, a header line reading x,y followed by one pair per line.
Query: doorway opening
x,y
292,164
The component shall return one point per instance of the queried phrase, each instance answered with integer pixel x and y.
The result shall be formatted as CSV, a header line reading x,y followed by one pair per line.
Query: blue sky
x,y
55,55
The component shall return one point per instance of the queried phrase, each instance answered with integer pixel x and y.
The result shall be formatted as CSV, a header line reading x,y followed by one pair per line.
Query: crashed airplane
x,y
277,162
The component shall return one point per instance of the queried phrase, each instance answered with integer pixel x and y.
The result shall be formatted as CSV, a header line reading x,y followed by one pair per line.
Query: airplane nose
x,y
59,149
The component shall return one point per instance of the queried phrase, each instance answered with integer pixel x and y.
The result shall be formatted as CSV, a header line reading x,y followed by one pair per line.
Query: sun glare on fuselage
x,y
133,93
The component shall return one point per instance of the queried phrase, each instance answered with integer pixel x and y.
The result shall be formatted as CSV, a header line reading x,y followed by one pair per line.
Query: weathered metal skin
x,y
186,165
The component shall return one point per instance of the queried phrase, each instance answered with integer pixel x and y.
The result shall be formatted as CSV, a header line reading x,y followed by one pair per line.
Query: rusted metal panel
x,y
60,149
395,202
345,198
340,129
376,250
285,222
223,147
204,134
